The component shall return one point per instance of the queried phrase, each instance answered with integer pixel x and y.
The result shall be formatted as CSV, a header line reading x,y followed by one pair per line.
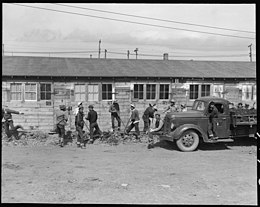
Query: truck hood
x,y
186,114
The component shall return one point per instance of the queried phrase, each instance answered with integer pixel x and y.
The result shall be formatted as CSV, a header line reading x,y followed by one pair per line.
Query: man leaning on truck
x,y
212,113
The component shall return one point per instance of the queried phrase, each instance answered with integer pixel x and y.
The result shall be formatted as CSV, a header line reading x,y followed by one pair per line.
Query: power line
x,y
162,20
211,33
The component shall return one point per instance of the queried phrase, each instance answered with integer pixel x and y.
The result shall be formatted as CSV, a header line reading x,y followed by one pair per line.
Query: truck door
x,y
223,121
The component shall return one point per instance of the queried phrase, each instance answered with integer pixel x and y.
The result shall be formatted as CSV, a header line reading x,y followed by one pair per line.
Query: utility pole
x,y
136,53
250,53
105,53
99,49
128,53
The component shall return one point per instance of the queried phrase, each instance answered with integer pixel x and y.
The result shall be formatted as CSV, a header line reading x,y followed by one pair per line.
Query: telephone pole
x,y
136,53
128,53
250,53
99,49
105,53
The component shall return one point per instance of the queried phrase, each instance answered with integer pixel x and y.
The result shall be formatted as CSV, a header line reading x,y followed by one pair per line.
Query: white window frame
x,y
92,92
112,91
245,91
36,91
138,91
154,92
218,90
164,92
45,92
16,91
81,93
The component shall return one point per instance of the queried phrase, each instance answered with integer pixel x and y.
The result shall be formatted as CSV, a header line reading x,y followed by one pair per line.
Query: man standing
x,y
79,123
115,114
61,120
172,107
213,114
92,118
134,121
148,113
155,130
8,121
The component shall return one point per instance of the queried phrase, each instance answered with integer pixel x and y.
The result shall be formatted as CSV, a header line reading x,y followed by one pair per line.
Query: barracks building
x,y
38,85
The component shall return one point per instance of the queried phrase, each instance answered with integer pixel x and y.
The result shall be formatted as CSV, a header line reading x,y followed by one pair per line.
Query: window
x,y
45,91
30,92
106,91
218,91
205,90
247,92
164,91
93,92
138,91
194,91
220,107
254,92
150,91
16,91
80,92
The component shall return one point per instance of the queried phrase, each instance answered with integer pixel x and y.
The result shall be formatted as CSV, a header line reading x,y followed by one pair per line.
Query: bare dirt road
x,y
130,174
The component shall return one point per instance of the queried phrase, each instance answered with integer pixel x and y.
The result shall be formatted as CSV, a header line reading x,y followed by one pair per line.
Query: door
x,y
223,121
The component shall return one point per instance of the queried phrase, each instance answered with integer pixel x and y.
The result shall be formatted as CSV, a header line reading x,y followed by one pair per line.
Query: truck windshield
x,y
198,105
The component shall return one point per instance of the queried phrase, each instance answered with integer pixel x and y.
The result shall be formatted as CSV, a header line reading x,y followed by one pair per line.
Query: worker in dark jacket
x,y
79,123
8,121
155,130
134,118
92,118
212,114
115,114
61,120
148,113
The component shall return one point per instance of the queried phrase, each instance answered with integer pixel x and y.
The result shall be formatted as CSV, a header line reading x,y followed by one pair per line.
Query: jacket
x,y
114,109
61,117
8,114
157,125
213,113
149,112
92,116
79,120
134,115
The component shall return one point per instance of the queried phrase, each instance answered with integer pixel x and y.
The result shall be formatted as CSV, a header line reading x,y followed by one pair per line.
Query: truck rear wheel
x,y
188,141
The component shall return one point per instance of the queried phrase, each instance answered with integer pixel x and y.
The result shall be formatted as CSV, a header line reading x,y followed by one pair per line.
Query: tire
x,y
188,141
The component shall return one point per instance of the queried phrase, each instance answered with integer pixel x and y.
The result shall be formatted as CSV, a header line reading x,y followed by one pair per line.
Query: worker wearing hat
x,y
134,118
172,107
61,120
77,109
79,123
115,114
212,123
93,125
148,113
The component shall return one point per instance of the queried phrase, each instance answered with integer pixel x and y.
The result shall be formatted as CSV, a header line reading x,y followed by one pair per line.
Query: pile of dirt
x,y
34,138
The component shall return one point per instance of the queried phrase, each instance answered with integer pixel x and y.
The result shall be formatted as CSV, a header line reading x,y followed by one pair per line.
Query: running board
x,y
220,140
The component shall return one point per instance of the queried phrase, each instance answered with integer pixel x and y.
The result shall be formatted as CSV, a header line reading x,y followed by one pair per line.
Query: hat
x,y
172,101
115,101
157,114
155,108
62,107
212,103
79,103
80,107
91,106
132,105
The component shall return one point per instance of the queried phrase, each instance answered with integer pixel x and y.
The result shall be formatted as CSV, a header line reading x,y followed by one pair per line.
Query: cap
x,y
212,103
91,106
79,103
132,105
62,107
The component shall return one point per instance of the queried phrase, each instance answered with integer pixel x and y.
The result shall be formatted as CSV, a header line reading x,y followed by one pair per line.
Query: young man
x,y
8,122
76,110
92,118
61,120
155,130
79,123
115,114
172,107
148,113
213,114
134,121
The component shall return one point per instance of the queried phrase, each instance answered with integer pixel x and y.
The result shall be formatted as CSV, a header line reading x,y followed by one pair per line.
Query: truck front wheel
x,y
188,141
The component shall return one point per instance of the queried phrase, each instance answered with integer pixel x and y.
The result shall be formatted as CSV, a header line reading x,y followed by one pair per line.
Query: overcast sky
x,y
28,29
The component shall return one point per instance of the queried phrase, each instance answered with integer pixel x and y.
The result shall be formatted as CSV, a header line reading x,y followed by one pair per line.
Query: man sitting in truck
x,y
213,114
154,131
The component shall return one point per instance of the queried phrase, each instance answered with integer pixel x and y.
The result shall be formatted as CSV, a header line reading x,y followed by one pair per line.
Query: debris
x,y
124,185
165,186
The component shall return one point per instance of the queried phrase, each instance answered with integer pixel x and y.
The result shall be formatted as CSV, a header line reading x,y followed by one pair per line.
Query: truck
x,y
188,129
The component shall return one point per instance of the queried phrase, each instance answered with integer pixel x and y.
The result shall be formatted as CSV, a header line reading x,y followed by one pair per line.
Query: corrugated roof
x,y
85,67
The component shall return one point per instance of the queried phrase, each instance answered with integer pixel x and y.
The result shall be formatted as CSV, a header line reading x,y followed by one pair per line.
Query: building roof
x,y
86,67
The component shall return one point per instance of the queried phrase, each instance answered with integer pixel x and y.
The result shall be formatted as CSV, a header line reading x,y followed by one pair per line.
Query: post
x,y
99,48
250,53
105,54
136,53
128,53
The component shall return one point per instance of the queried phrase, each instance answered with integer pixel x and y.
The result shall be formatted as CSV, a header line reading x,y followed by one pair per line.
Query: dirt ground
x,y
129,173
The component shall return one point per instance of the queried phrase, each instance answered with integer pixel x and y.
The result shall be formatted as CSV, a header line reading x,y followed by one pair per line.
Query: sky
x,y
76,29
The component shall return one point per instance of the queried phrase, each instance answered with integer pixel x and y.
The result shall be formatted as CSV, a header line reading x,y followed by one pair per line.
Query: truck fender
x,y
176,134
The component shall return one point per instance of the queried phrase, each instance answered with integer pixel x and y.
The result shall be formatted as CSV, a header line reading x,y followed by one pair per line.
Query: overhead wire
x,y
157,19
60,11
